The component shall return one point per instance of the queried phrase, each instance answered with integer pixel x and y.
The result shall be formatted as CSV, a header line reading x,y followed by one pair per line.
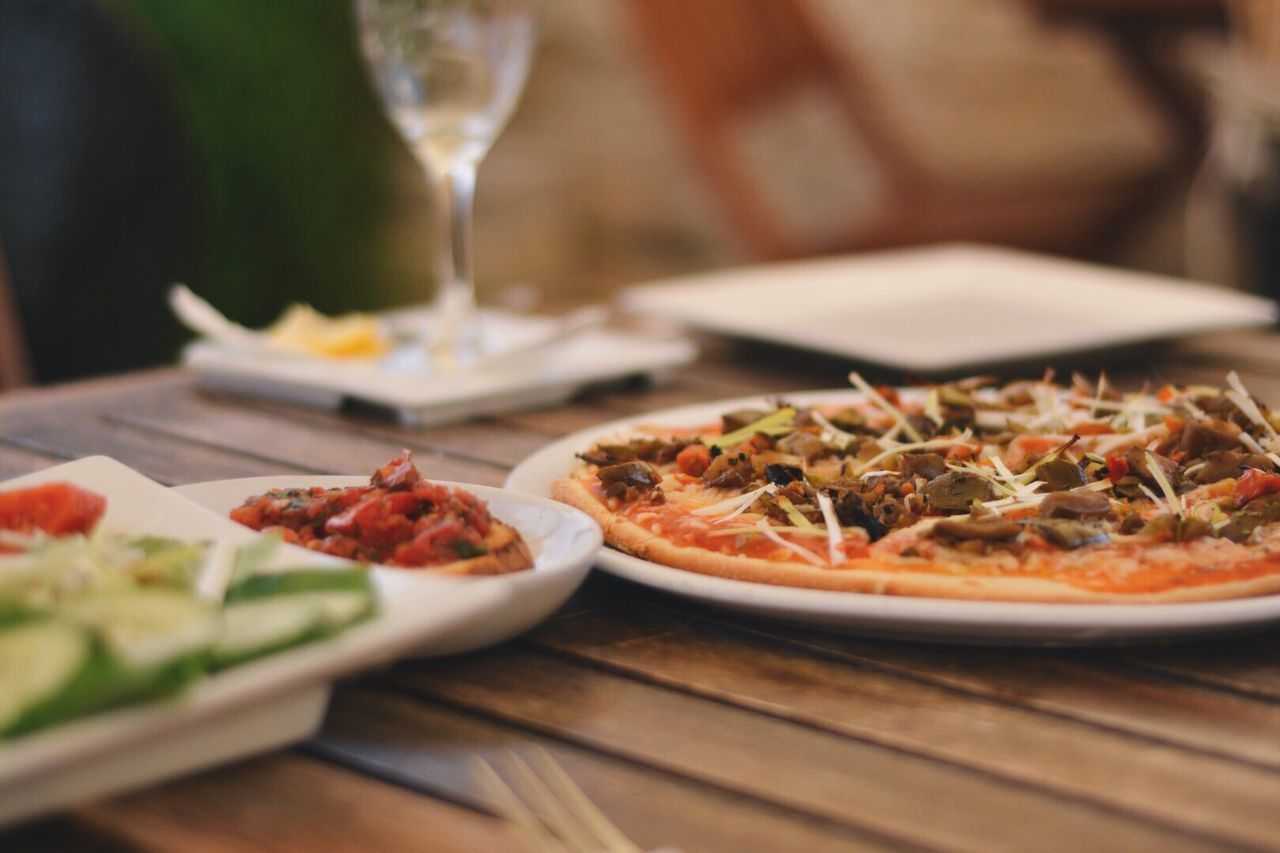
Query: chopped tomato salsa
x,y
399,519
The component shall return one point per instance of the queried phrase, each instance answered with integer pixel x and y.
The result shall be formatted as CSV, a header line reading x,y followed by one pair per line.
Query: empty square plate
x,y
947,307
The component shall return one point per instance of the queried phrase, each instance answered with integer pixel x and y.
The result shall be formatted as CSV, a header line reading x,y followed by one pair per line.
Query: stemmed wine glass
x,y
449,73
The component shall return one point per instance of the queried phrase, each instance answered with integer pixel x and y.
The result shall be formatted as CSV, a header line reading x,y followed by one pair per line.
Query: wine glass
x,y
449,73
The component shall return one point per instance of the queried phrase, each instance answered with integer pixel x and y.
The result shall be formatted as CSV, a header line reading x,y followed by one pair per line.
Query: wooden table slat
x,y
906,713
295,444
16,460
1081,686
430,748
291,802
561,420
810,770
1248,665
166,459
485,440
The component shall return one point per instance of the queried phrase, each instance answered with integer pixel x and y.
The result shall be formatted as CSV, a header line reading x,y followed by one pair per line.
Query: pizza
x,y
1019,491
397,519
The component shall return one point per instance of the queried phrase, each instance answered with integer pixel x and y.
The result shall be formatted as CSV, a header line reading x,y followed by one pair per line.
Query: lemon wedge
x,y
303,329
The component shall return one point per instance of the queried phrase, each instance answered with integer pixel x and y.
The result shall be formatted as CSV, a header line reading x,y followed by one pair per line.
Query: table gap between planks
x,y
691,727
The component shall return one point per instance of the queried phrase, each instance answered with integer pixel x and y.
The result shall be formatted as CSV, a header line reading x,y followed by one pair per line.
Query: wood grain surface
x,y
689,726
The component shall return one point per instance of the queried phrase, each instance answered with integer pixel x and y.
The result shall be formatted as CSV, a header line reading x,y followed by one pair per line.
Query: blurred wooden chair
x,y
1138,32
725,63
15,366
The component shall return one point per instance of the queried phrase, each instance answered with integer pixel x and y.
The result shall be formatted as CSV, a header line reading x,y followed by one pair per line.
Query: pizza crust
x,y
627,536
506,552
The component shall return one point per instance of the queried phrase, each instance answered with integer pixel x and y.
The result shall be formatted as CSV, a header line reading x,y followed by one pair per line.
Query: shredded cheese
x,y
1174,500
1250,442
735,504
835,537
796,516
889,409
1097,398
1139,403
1244,402
774,423
954,441
803,553
933,406
1105,444
842,438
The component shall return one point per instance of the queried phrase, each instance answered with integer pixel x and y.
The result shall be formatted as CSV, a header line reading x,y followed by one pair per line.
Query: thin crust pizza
x,y
1025,491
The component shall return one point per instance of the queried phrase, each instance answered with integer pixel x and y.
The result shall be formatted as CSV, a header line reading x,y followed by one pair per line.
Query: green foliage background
x,y
296,160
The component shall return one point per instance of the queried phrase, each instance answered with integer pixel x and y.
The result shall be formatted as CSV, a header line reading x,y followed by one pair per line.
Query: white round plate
x,y
936,619
563,541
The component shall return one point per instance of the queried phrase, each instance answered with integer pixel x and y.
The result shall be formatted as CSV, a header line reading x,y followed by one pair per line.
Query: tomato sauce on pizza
x,y
1027,490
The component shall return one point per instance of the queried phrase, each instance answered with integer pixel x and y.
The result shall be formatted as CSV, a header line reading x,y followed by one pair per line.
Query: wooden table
x,y
693,727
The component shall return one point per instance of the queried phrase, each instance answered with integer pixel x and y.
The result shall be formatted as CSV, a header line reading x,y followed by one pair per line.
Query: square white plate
x,y
946,307
261,705
548,376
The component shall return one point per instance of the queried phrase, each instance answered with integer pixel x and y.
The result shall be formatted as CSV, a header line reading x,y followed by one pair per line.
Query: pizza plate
x,y
901,617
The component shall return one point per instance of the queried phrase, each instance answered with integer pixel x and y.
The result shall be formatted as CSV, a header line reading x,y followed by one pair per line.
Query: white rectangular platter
x,y
413,396
258,706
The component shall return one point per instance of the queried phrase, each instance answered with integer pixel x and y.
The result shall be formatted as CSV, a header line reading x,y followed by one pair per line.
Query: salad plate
x,y
563,541
900,617
252,707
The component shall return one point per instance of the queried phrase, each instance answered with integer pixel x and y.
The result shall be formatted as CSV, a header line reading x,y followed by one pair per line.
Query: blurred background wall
x,y
235,145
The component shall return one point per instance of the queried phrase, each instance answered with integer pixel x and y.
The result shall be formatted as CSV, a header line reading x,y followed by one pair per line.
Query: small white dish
x,y
933,619
281,698
947,307
527,369
563,540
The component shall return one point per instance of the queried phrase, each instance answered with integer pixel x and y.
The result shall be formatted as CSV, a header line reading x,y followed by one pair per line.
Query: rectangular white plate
x,y
946,307
248,709
543,378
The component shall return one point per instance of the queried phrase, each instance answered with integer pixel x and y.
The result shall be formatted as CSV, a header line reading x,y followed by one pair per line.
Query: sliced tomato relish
x,y
399,519
59,509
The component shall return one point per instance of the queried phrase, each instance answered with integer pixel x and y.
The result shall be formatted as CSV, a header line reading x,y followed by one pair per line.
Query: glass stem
x,y
459,337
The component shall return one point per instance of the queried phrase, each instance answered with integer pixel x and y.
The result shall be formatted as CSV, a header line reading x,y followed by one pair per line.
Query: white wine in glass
x,y
449,73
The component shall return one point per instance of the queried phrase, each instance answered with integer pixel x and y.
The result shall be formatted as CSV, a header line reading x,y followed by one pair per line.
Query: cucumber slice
x,y
249,558
104,683
168,561
258,626
289,582
39,660
12,614
145,629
